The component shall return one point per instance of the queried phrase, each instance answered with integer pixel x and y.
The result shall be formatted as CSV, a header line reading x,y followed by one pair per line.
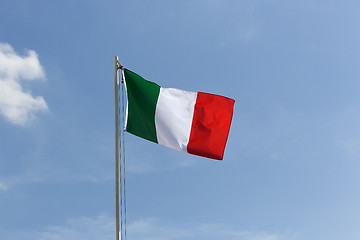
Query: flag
x,y
194,122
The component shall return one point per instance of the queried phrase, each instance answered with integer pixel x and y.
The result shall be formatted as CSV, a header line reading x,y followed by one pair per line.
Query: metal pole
x,y
117,176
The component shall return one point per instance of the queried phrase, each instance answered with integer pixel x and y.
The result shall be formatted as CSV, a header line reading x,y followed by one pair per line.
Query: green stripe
x,y
142,97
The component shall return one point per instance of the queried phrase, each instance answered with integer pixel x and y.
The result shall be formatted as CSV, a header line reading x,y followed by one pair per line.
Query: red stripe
x,y
210,126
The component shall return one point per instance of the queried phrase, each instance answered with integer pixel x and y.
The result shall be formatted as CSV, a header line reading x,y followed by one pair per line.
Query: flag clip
x,y
119,66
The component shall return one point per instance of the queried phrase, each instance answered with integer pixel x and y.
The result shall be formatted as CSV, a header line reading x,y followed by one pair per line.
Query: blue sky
x,y
291,165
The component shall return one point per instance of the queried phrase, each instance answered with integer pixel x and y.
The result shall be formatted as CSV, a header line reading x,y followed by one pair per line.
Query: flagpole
x,y
117,176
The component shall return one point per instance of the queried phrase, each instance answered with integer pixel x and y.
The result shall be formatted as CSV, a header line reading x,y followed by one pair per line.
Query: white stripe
x,y
173,117
127,102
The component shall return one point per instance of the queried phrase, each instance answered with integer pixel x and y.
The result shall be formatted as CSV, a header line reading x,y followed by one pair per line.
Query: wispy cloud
x,y
347,132
100,227
16,105
29,176
3,186
152,228
103,227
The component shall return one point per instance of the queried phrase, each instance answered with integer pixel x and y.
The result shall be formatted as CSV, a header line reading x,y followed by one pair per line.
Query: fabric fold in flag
x,y
194,122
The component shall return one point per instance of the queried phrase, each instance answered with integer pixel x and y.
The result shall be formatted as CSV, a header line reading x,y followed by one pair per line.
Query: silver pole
x,y
117,176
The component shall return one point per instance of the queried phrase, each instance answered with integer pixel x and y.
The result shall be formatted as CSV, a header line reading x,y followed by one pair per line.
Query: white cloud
x,y
16,105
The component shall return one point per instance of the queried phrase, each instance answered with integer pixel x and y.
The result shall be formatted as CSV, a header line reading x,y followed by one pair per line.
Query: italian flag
x,y
194,122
